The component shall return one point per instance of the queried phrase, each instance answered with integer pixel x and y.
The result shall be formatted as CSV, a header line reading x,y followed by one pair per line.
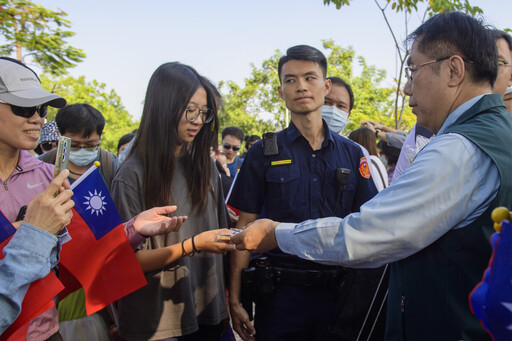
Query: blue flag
x,y
93,202
6,228
99,254
491,300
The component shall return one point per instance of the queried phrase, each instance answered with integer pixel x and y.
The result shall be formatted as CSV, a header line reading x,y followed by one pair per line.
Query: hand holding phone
x,y
62,156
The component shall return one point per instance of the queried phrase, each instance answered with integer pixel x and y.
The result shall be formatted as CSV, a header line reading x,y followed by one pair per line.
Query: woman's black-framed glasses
x,y
193,112
28,112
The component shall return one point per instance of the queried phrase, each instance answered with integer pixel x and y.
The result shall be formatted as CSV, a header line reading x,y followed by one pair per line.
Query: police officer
x,y
305,171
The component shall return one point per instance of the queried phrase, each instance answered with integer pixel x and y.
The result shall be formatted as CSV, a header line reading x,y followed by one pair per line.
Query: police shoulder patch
x,y
364,168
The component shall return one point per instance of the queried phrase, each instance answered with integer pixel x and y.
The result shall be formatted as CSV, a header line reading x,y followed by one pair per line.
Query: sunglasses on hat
x,y
28,112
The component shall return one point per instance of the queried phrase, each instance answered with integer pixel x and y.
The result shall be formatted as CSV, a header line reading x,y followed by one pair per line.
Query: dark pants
x,y
297,313
205,333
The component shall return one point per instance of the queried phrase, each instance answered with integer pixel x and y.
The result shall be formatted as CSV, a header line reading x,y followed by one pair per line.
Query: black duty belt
x,y
325,278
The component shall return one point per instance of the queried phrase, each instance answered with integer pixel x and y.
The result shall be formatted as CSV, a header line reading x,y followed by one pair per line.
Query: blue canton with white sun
x,y
95,203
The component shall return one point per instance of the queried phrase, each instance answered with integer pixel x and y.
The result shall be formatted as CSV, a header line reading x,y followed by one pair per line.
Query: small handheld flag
x,y
99,255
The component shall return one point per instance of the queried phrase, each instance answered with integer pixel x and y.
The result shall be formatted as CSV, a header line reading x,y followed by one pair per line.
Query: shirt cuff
x,y
284,236
47,244
134,237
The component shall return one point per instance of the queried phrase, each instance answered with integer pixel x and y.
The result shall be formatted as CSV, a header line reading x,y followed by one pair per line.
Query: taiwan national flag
x,y
491,300
99,254
39,296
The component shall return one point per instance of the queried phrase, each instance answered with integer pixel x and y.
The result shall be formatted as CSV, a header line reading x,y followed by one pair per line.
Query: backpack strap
x,y
378,170
107,166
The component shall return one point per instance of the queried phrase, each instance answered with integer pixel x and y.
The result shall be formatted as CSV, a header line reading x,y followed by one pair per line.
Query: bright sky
x,y
125,41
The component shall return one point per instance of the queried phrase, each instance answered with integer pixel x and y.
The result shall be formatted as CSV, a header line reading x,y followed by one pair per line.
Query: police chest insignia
x,y
364,169
281,162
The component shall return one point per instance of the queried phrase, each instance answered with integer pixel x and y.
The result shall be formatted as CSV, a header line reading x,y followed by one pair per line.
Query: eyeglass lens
x,y
192,113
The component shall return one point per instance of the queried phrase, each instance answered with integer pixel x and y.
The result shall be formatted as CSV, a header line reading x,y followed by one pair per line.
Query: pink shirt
x,y
30,177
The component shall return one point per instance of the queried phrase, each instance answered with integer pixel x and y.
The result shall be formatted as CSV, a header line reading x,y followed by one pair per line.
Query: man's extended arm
x,y
422,205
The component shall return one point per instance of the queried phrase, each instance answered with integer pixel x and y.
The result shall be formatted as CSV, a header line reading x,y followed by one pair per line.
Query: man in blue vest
x,y
433,223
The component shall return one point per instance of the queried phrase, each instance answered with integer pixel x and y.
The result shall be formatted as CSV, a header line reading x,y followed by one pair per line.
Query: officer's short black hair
x,y
303,52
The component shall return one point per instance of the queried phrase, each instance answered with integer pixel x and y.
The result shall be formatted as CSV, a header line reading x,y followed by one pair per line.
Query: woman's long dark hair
x,y
170,89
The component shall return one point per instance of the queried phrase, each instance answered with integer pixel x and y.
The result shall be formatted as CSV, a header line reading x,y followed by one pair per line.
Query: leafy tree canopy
x,y
30,30
78,90
434,6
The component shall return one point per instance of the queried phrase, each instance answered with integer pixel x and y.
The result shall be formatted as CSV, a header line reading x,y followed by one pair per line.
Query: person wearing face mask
x,y
84,124
336,110
337,105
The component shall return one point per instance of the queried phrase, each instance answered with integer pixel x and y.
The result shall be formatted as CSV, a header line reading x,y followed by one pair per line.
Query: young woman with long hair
x,y
170,162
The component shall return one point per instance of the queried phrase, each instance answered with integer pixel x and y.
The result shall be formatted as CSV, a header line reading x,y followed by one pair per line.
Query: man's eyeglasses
x,y
193,112
409,70
75,147
228,146
28,112
47,146
503,63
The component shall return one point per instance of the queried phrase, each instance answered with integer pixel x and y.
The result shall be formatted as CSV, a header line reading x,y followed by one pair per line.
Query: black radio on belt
x,y
264,276
257,280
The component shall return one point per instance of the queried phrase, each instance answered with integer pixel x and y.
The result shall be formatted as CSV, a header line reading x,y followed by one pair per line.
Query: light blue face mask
x,y
83,157
335,118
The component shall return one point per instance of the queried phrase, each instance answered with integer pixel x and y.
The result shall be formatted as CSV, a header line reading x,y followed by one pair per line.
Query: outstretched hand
x,y
153,222
208,241
48,212
258,236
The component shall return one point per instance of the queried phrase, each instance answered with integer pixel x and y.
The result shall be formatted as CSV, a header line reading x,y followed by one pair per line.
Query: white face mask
x,y
83,157
335,118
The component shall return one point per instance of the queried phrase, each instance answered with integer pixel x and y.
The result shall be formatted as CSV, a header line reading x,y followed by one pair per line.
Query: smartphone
x,y
226,237
62,156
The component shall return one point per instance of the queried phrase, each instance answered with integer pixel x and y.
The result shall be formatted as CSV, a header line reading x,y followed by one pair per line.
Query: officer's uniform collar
x,y
293,133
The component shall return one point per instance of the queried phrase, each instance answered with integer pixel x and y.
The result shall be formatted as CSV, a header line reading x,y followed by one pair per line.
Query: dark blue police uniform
x,y
296,185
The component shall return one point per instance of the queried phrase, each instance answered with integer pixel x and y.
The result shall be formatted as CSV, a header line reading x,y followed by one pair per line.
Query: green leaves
x,y
78,90
338,3
32,30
